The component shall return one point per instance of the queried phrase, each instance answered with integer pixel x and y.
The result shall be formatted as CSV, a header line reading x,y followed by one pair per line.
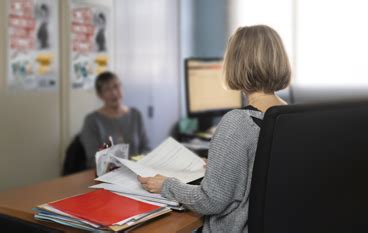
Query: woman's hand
x,y
205,163
152,184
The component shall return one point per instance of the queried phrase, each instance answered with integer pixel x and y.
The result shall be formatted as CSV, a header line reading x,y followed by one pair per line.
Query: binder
x,y
103,207
100,209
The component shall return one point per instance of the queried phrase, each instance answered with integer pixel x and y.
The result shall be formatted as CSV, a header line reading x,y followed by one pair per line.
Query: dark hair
x,y
44,7
102,16
102,79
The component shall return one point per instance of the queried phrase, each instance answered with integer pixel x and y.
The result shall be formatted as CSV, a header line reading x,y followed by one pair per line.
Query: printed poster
x,y
90,42
33,44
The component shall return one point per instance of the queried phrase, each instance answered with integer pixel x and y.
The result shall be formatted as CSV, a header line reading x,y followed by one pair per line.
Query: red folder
x,y
102,207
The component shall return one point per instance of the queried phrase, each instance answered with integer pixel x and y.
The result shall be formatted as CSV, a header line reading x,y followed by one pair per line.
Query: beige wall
x,y
75,104
29,129
36,126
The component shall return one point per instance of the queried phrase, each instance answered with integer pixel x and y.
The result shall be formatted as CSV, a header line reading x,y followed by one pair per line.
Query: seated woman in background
x,y
256,64
123,124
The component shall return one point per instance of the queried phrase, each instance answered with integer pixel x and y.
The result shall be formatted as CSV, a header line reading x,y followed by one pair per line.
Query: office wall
x,y
203,33
209,27
147,61
304,95
330,51
29,128
76,104
37,126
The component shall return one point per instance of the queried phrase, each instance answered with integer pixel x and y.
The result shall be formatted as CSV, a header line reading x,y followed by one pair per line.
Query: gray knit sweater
x,y
223,196
128,128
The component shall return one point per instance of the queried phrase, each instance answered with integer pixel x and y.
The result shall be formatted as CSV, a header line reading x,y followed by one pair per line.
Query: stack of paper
x,y
169,159
99,210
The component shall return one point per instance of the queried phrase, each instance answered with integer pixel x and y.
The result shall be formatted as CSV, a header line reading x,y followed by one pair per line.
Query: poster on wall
x,y
33,44
90,42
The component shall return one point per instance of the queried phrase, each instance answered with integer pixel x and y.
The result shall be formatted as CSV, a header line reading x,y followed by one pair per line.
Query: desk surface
x,y
19,203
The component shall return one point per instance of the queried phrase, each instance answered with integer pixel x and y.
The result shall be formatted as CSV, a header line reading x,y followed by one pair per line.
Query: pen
x,y
111,141
104,146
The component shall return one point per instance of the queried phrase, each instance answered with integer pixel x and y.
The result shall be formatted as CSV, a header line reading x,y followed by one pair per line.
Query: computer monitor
x,y
205,90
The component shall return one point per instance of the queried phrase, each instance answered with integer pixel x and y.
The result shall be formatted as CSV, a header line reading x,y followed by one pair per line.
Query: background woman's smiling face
x,y
111,93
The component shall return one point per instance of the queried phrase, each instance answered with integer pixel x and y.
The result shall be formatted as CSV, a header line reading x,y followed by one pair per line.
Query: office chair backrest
x,y
311,170
75,159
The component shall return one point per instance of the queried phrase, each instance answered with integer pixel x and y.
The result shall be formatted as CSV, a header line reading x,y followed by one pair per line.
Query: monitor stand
x,y
205,123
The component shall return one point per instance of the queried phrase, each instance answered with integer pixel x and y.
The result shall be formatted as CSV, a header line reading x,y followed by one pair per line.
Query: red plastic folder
x,y
102,207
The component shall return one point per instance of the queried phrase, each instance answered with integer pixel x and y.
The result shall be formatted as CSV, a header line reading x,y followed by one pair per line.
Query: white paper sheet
x,y
128,190
122,176
138,193
172,159
138,168
169,159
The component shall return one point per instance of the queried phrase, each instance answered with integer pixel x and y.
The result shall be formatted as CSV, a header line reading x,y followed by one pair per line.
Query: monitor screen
x,y
205,87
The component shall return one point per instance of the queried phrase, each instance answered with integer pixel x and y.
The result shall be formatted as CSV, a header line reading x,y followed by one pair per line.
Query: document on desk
x,y
169,159
172,159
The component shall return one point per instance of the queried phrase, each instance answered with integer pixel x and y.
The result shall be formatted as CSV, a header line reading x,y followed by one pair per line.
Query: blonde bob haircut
x,y
256,61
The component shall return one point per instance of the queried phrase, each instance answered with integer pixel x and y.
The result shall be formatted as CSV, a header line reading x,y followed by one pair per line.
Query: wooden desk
x,y
19,203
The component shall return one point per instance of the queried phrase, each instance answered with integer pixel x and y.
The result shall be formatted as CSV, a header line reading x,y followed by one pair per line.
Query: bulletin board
x,y
90,42
33,46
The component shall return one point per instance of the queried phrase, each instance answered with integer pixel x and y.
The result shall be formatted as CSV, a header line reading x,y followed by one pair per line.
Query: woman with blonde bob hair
x,y
256,64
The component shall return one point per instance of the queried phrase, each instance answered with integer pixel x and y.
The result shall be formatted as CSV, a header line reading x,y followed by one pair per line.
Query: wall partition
x,y
147,52
325,40
40,110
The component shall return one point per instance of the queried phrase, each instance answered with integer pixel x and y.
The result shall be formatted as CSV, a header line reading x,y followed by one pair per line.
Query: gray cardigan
x,y
223,196
128,128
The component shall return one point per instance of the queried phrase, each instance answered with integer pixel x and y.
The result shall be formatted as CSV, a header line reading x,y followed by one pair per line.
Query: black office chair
x,y
75,159
311,170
